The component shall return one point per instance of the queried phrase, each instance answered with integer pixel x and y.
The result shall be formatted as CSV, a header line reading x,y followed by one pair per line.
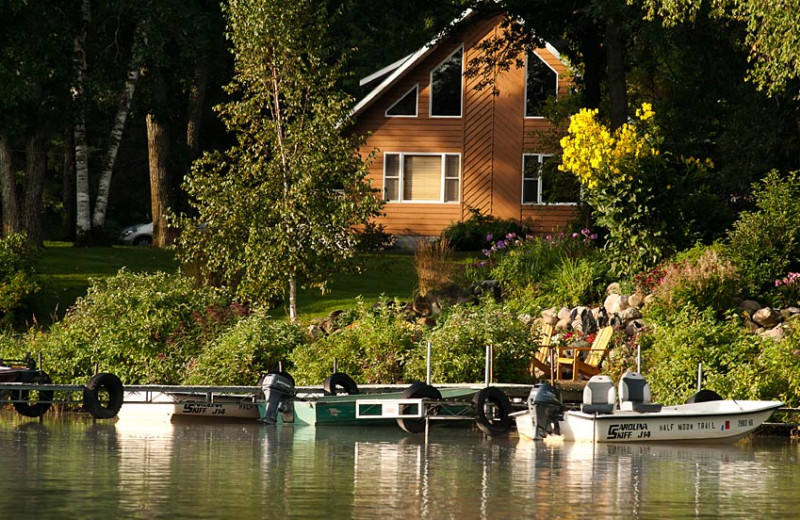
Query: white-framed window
x,y
544,183
446,86
421,177
406,105
541,82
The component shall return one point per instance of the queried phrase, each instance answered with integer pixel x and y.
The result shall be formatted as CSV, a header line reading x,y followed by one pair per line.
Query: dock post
x,y
428,365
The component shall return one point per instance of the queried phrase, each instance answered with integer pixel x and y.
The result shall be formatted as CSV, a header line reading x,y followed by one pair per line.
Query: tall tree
x,y
277,209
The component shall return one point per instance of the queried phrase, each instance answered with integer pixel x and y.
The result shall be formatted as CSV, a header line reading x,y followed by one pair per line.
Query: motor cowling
x,y
278,393
547,408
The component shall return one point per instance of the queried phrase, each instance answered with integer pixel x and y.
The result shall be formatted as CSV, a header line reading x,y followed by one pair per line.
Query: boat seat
x,y
599,395
634,394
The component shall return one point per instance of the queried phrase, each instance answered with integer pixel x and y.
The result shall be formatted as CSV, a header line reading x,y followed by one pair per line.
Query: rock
x,y
564,314
601,316
767,317
615,303
788,312
631,313
636,300
633,327
613,288
577,325
421,306
751,306
565,324
775,333
550,319
314,332
427,322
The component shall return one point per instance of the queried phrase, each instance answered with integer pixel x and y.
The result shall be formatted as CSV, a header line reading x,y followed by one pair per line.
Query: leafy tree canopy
x,y
278,208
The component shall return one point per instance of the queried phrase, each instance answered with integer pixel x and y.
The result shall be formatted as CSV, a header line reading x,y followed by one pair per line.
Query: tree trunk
x,y
592,50
68,186
36,168
293,299
8,187
615,63
83,223
160,187
194,113
115,137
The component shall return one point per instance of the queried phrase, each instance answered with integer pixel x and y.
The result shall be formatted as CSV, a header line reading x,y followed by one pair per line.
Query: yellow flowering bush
x,y
629,184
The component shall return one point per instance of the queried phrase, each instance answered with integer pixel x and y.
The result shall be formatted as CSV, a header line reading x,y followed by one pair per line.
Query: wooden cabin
x,y
444,147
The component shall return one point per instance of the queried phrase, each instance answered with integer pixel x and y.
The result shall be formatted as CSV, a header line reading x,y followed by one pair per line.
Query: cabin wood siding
x,y
491,136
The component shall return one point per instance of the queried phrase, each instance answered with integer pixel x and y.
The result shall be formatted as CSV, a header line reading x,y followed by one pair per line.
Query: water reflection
x,y
68,468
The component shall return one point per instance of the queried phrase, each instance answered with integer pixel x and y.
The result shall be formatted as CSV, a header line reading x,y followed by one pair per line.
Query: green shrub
x,y
372,349
518,263
143,327
701,277
575,281
18,278
672,350
239,355
459,341
374,238
471,234
765,244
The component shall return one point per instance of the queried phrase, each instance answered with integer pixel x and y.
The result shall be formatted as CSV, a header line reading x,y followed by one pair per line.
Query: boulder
x,y
775,333
613,288
631,313
636,300
565,324
767,317
615,303
750,306
564,313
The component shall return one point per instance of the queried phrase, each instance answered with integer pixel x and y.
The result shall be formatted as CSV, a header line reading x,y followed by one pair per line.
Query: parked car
x,y
137,235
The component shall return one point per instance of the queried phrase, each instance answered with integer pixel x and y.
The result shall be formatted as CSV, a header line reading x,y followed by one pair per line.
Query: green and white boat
x,y
411,408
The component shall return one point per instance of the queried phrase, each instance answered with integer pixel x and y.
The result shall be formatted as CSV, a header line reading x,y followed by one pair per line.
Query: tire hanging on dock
x,y
492,411
417,391
38,407
103,408
341,381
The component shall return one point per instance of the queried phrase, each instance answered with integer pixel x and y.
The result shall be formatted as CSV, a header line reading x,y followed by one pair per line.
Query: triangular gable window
x,y
406,106
541,83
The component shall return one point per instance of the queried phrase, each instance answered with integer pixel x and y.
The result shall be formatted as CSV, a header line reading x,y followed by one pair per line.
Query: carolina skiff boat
x,y
705,417
168,405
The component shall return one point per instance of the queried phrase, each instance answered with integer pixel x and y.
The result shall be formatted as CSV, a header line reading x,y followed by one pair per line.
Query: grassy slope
x,y
67,271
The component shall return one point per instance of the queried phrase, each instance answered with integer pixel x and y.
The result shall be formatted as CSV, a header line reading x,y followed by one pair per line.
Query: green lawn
x,y
67,271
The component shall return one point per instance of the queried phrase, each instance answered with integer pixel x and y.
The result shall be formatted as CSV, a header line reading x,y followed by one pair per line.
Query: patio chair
x,y
596,353
540,363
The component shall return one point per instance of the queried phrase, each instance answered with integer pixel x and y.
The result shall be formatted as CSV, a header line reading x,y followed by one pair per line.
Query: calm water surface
x,y
69,467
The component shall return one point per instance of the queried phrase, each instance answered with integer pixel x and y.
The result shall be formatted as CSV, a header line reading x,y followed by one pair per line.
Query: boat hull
x,y
167,406
713,421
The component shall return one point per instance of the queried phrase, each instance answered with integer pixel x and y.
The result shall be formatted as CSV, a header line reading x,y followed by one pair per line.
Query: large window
x,y
446,86
543,183
411,177
406,106
541,83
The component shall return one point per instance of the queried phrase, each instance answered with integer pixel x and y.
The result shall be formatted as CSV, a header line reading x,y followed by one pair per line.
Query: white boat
x,y
635,419
166,406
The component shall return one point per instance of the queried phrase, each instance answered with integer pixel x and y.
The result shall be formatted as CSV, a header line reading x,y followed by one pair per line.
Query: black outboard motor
x,y
547,408
278,392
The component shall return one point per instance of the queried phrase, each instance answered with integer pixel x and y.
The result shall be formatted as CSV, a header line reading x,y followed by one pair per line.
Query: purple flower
x,y
529,237
486,252
489,237
593,236
574,235
586,231
510,236
501,244
549,237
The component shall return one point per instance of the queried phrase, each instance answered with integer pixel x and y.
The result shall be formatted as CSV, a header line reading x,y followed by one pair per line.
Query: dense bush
x,y
701,277
636,190
143,327
471,234
765,243
372,349
252,347
673,349
459,343
566,267
374,238
18,278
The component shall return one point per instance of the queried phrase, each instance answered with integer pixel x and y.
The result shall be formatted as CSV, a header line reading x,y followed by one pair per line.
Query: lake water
x,y
69,467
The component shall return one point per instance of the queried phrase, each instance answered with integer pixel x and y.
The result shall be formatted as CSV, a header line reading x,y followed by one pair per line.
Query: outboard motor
x,y
546,408
278,392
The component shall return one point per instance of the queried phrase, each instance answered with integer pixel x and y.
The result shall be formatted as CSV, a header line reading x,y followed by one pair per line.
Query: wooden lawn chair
x,y
596,353
540,363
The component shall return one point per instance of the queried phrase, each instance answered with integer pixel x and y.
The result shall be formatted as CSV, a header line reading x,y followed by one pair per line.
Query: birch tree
x,y
276,210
